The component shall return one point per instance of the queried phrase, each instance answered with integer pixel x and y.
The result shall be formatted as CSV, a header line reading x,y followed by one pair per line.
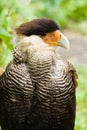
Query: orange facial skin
x,y
52,38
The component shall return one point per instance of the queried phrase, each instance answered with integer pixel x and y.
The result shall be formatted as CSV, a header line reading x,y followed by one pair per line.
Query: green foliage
x,y
8,15
5,36
63,11
81,116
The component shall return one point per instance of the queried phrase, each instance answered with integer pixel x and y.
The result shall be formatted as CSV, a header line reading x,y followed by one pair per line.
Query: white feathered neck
x,y
28,42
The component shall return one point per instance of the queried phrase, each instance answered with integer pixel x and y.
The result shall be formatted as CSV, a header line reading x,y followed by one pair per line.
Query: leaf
x,y
4,33
6,37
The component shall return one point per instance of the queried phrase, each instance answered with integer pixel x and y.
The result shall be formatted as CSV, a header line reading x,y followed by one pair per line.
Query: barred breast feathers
x,y
38,54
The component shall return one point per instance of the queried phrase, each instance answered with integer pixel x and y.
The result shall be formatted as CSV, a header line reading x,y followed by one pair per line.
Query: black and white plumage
x,y
37,89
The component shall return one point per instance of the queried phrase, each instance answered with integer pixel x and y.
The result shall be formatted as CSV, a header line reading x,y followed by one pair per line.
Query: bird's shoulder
x,y
17,67
15,72
63,68
17,78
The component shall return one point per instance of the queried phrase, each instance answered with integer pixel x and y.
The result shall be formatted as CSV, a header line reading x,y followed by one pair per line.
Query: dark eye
x,y
43,34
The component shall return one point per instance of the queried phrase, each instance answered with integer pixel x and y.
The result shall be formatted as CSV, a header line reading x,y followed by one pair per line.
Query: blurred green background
x,y
70,15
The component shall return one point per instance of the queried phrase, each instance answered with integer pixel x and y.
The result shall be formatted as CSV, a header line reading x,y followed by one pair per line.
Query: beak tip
x,y
64,42
67,45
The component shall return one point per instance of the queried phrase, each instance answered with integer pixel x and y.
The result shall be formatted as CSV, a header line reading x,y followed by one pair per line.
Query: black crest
x,y
37,27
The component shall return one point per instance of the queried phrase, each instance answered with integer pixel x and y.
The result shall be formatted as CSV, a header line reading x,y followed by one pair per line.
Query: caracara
x,y
37,89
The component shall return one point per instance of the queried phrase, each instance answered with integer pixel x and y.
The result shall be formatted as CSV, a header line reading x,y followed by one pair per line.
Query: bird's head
x,y
41,31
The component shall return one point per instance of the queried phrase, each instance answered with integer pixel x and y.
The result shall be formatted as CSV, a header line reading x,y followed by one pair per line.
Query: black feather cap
x,y
37,27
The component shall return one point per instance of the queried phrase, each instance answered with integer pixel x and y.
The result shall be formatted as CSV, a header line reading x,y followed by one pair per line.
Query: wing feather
x,y
16,91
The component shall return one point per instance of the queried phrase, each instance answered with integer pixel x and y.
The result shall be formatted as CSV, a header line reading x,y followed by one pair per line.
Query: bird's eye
x,y
43,34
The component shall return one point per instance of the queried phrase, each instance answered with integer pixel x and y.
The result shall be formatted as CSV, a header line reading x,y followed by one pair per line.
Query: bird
x,y
38,87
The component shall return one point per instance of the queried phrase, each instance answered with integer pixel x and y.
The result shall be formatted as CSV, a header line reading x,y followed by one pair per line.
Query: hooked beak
x,y
64,42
